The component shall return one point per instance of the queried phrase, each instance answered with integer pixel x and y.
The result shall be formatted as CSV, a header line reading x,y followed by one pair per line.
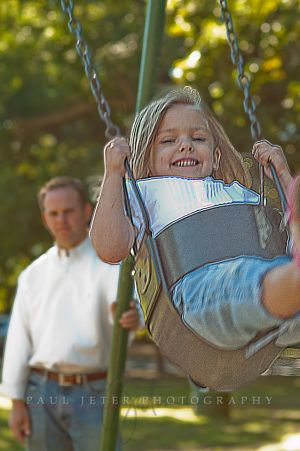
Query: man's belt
x,y
70,379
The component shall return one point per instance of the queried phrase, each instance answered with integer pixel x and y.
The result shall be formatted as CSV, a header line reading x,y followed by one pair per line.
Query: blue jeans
x,y
221,302
65,418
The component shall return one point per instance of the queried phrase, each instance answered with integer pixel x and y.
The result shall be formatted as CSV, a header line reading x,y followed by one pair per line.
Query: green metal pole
x,y
153,34
154,26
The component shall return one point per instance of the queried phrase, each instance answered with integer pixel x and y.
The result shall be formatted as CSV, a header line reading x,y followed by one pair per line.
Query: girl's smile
x,y
183,145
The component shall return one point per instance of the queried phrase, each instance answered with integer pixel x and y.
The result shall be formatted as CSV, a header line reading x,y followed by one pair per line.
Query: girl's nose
x,y
187,145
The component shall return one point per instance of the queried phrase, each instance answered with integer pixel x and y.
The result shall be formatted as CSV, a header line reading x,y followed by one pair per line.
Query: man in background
x,y
59,337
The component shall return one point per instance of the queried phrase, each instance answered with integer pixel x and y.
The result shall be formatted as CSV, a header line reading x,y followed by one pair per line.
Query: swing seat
x,y
232,231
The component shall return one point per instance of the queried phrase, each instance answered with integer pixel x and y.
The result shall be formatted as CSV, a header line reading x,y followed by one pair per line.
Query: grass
x,y
6,441
160,415
261,414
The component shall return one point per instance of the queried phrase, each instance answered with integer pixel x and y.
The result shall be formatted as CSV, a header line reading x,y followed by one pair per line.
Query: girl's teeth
x,y
186,163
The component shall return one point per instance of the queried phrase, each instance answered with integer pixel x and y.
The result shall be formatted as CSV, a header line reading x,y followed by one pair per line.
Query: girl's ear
x,y
217,157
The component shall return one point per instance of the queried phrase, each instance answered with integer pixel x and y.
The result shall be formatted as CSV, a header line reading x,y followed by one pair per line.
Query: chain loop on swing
x,y
243,80
83,51
244,84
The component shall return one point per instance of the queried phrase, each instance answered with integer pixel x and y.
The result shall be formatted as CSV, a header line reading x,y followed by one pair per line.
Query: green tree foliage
x,y
48,119
268,34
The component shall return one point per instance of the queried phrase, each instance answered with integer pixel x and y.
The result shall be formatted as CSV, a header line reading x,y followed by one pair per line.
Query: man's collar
x,y
74,251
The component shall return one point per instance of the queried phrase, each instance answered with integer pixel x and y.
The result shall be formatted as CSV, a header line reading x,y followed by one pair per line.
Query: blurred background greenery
x,y
49,123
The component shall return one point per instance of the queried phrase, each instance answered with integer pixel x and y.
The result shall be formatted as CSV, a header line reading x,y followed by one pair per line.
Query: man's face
x,y
66,217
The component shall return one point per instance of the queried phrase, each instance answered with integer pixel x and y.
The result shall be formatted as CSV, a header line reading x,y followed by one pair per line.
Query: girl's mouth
x,y
185,162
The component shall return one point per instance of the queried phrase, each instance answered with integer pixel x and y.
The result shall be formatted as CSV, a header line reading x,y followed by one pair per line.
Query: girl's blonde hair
x,y
146,124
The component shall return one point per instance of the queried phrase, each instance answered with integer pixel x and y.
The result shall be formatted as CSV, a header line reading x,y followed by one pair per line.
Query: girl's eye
x,y
199,138
167,140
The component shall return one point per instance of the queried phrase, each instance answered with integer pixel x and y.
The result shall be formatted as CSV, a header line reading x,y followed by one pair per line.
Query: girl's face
x,y
183,146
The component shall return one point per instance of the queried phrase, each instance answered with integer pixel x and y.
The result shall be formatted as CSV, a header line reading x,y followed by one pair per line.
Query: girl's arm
x,y
265,152
111,231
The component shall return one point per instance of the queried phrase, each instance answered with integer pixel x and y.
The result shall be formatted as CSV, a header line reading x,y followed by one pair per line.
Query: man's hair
x,y
63,182
147,122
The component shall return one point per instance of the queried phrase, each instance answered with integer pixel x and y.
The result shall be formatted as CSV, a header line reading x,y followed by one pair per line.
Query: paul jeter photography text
x,y
153,401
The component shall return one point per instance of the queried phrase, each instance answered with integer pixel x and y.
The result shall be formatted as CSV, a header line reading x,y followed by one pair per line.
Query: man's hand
x,y
130,319
19,421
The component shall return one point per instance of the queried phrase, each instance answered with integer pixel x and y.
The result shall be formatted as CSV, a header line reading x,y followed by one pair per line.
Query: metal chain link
x,y
283,366
243,80
244,84
83,51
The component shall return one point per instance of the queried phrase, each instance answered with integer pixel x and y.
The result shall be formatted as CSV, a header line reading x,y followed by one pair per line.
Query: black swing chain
x,y
83,51
244,84
243,80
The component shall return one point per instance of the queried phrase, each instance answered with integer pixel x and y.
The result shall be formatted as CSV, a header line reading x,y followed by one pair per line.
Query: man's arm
x,y
18,347
15,363
19,420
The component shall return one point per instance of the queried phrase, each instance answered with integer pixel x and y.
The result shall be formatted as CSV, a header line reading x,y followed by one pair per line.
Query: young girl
x,y
183,161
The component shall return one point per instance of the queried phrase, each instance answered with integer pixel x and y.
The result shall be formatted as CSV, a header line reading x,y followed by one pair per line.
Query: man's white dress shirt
x,y
61,318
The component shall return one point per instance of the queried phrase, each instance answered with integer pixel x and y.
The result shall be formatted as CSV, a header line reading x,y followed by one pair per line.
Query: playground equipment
x,y
155,311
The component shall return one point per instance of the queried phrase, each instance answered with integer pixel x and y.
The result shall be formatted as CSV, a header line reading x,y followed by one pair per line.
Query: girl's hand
x,y
265,153
115,153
